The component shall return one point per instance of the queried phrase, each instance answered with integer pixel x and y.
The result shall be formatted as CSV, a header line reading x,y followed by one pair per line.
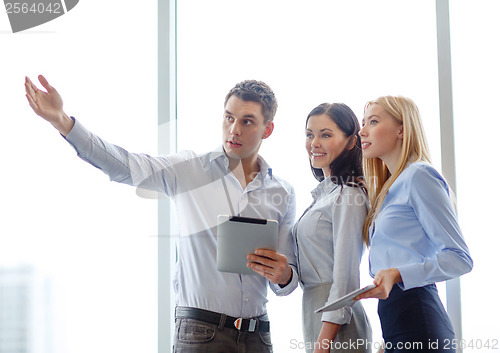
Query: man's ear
x,y
269,130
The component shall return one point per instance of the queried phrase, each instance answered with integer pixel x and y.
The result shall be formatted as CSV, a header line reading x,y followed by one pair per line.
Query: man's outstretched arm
x,y
48,105
152,173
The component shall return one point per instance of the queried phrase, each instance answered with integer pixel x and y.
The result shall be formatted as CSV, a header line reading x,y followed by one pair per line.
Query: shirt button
x,y
246,299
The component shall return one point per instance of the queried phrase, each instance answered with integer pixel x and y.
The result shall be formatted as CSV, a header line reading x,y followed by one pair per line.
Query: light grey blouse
x,y
329,242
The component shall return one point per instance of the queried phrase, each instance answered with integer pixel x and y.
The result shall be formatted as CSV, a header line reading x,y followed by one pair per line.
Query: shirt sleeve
x,y
430,199
348,215
141,170
285,247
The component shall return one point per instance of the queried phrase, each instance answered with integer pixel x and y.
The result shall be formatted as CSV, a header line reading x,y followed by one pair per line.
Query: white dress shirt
x,y
202,187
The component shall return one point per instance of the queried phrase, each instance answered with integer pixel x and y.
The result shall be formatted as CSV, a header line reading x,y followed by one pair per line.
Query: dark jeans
x,y
193,336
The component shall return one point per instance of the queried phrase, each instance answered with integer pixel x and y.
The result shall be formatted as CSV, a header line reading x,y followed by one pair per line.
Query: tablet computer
x,y
346,300
239,236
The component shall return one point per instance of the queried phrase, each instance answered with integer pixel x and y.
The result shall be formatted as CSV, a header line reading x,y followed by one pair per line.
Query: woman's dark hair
x,y
347,168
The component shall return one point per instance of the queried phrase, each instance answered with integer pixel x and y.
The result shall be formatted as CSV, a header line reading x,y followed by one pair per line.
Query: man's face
x,y
243,129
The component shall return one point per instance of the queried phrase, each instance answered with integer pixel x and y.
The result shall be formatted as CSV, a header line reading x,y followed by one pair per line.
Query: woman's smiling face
x,y
324,142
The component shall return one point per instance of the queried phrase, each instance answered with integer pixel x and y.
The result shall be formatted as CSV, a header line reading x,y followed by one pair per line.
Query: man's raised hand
x,y
48,105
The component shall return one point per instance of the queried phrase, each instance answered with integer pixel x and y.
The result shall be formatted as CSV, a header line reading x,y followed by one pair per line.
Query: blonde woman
x,y
414,236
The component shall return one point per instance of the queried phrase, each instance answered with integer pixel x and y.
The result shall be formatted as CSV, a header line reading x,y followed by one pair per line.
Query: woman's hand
x,y
327,335
384,281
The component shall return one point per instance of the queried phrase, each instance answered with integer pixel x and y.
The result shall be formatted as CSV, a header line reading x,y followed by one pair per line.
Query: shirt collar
x,y
217,153
326,186
265,169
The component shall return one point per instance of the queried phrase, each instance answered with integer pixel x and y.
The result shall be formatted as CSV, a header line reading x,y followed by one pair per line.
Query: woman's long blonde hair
x,y
414,149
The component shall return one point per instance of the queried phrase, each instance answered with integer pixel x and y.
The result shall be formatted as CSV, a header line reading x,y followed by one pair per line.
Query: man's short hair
x,y
256,91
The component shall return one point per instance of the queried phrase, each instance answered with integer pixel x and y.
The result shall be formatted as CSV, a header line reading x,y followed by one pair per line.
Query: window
x,y
81,253
84,248
476,75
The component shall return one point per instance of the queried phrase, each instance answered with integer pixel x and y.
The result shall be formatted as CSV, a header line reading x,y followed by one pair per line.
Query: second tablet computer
x,y
239,236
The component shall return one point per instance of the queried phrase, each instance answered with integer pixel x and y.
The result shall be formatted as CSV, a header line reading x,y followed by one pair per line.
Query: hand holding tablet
x,y
346,300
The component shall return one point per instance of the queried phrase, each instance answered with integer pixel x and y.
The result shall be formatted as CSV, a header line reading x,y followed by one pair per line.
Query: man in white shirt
x,y
216,311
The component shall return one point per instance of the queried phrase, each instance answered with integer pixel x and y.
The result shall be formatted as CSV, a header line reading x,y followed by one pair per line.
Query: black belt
x,y
221,320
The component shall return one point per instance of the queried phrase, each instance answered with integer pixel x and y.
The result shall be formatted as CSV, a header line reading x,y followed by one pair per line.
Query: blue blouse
x,y
417,230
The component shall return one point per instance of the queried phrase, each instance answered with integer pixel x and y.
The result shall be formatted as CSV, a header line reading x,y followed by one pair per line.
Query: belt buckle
x,y
252,324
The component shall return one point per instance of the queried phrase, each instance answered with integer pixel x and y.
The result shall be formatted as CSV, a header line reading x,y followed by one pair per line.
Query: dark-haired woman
x,y
329,233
